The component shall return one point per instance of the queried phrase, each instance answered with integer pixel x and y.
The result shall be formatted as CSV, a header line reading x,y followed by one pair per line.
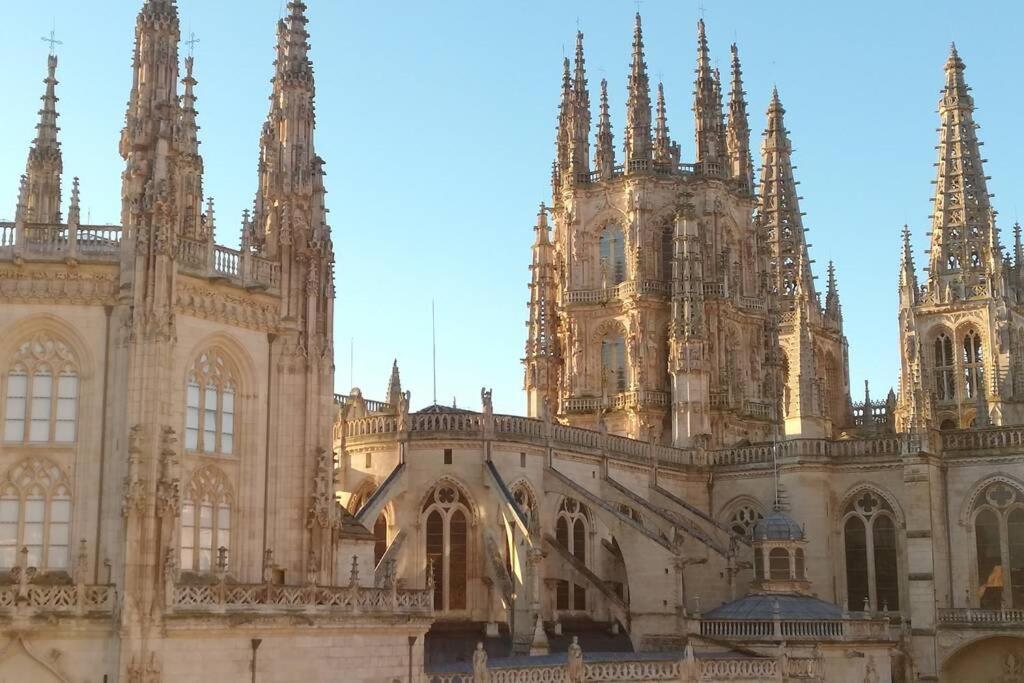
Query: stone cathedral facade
x,y
184,498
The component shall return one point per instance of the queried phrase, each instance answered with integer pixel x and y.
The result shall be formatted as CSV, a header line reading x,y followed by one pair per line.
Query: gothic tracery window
x,y
447,545
35,514
205,519
743,520
572,526
42,393
973,369
944,388
998,522
869,541
210,406
613,256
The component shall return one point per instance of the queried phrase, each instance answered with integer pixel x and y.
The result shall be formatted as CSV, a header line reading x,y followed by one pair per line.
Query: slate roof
x,y
763,607
778,526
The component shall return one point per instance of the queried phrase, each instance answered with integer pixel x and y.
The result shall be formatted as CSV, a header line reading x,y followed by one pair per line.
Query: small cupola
x,y
779,565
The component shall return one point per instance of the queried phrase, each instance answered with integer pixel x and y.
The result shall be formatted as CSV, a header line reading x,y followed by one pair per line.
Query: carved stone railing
x,y
544,671
625,399
41,241
736,669
984,618
753,303
370,405
762,453
982,439
796,629
42,599
654,288
223,596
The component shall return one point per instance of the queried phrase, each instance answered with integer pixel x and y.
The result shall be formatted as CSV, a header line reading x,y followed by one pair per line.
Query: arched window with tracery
x,y
35,513
572,527
613,256
944,370
973,365
206,513
613,363
42,392
743,519
871,554
380,538
998,523
667,252
446,519
210,405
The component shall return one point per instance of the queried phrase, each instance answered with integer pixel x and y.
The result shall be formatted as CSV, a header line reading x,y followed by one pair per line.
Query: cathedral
x,y
693,494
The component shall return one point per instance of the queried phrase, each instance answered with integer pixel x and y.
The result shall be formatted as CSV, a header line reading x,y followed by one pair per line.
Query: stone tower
x,y
652,310
816,398
962,331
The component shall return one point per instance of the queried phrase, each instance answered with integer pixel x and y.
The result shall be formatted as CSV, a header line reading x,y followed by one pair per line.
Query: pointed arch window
x,y
613,256
380,538
206,513
871,554
446,518
35,514
998,523
572,527
613,363
973,365
42,393
210,406
667,252
944,371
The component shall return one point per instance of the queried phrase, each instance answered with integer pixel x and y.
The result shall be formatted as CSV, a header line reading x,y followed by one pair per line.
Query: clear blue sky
x,y
436,120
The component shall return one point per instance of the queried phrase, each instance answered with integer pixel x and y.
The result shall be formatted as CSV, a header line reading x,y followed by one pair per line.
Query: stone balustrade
x,y
623,290
102,243
971,617
225,596
796,629
890,446
982,439
43,599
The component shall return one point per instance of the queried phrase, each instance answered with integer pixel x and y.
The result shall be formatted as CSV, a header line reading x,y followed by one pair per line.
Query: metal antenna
x,y
433,343
351,362
52,40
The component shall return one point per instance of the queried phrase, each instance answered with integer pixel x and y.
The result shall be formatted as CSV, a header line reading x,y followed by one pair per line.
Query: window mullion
x,y
30,380
446,544
1004,559
217,420
869,539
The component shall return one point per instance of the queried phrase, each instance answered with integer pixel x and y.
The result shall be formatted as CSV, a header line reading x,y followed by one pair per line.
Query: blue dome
x,y
778,527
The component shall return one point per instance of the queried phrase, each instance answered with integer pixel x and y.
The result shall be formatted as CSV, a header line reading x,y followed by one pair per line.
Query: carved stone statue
x,y
574,671
480,673
403,411
488,406
870,672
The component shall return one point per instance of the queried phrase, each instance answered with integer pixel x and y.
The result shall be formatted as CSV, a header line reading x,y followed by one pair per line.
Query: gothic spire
x,y
737,138
965,248
563,132
190,163
604,157
908,272
75,209
707,109
289,167
579,142
394,386
779,216
45,163
638,106
541,342
662,142
1018,248
833,309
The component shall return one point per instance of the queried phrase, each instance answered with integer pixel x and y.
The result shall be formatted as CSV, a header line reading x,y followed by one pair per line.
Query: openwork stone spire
x,y
779,215
965,250
190,163
579,139
833,309
638,106
541,343
563,132
908,272
45,163
737,138
604,157
707,110
665,151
